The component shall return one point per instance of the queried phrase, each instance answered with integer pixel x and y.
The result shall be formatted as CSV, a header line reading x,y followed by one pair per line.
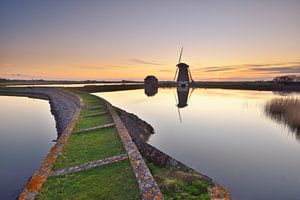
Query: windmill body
x,y
184,73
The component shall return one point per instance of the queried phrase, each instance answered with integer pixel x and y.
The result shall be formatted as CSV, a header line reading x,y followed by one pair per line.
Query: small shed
x,y
151,80
151,85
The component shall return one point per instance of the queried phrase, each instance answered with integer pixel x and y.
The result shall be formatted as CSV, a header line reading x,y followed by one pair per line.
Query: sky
x,y
130,39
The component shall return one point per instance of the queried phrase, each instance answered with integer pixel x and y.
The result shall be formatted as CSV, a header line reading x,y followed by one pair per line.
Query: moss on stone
x,y
176,184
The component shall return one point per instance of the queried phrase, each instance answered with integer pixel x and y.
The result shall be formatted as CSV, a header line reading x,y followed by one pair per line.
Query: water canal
x,y
27,129
69,85
248,141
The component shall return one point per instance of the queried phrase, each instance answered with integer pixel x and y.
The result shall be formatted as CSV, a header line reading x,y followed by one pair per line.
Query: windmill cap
x,y
182,65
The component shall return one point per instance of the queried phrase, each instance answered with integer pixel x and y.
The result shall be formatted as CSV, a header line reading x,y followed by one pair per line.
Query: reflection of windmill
x,y
182,98
184,73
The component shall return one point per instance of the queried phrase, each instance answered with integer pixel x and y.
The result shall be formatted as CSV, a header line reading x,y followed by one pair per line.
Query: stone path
x,y
90,165
95,128
148,186
58,99
93,107
95,114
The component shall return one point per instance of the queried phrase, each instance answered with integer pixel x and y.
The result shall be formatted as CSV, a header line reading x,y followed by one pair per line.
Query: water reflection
x,y
285,111
27,129
182,99
151,89
225,135
182,96
285,93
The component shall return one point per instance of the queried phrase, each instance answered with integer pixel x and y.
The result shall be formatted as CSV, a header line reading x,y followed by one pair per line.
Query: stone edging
x,y
95,128
217,192
90,165
39,177
95,114
148,186
93,107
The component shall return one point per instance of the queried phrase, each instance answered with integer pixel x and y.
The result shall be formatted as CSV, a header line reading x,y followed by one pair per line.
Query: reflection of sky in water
x,y
69,85
27,129
224,134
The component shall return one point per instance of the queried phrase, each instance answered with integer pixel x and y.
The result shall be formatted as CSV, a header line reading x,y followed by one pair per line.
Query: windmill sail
x,y
180,55
178,110
191,75
175,73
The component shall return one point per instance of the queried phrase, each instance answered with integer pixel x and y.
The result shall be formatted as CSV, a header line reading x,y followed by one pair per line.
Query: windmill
x,y
182,99
184,73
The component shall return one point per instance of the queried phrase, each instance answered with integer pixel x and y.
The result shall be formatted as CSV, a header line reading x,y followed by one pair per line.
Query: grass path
x,y
112,181
116,180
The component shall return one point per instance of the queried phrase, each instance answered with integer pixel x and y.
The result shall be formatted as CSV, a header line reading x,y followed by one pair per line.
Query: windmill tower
x,y
182,99
184,73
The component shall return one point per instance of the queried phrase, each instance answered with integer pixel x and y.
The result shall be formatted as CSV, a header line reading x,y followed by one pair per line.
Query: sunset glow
x,y
115,40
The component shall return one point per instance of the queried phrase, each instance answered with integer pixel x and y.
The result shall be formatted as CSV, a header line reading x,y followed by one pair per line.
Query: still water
x,y
27,129
70,85
248,141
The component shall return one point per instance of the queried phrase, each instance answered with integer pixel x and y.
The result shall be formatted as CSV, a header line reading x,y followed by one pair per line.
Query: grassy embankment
x,y
113,181
176,184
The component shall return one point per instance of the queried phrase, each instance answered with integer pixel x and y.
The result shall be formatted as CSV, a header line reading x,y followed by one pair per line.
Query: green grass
x,y
177,185
93,145
90,122
90,146
88,112
88,98
114,181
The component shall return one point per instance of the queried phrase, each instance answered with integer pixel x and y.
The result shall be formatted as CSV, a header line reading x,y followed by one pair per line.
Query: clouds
x,y
132,63
143,62
25,76
253,71
280,70
97,67
7,64
274,68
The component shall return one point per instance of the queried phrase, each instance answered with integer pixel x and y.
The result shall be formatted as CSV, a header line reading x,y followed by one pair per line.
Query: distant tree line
x,y
287,79
3,80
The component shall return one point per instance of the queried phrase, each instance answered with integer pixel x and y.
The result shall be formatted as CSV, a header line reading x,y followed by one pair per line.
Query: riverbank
x,y
82,149
257,86
243,85
131,85
173,177
7,82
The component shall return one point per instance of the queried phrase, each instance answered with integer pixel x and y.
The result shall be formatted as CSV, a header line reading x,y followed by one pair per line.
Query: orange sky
x,y
116,40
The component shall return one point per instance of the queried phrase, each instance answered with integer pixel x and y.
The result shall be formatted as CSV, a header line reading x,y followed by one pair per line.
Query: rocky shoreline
x,y
140,131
